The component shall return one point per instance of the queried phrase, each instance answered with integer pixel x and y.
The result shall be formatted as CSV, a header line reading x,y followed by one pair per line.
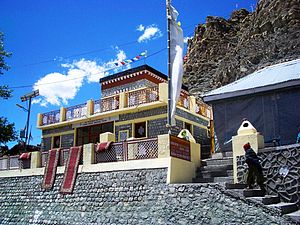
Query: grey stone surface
x,y
281,170
57,130
142,114
157,127
189,116
67,140
46,144
127,197
200,134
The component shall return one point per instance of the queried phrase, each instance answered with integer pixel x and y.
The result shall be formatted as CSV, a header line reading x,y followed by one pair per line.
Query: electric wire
x,y
89,75
90,52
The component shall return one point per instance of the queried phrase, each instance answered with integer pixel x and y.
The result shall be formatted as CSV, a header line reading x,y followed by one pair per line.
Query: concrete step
x,y
285,208
267,199
295,216
231,185
223,161
253,193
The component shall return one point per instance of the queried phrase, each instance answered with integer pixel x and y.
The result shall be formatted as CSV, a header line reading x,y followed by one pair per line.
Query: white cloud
x,y
151,32
140,27
186,39
57,88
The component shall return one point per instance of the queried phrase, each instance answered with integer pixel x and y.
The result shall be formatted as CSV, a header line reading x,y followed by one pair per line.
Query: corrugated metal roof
x,y
268,76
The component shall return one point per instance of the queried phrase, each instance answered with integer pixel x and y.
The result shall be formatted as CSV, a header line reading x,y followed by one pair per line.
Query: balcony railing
x,y
183,102
129,99
142,96
63,157
76,111
204,110
110,103
129,150
13,163
50,117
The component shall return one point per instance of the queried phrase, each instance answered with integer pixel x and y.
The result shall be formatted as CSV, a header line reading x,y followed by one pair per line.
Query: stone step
x,y
213,180
253,193
231,185
223,161
230,173
209,174
295,216
267,199
284,207
221,155
203,180
223,179
216,168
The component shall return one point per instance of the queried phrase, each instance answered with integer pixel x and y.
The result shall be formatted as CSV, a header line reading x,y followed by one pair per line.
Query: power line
x,y
89,52
89,75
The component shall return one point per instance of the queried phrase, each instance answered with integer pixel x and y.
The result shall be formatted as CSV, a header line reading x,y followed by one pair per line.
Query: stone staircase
x,y
289,209
218,169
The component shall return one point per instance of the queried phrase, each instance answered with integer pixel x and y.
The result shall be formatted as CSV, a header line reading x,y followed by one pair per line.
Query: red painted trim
x,y
131,80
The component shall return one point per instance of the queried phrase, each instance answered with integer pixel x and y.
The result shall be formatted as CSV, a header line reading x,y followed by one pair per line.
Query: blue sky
x,y
42,34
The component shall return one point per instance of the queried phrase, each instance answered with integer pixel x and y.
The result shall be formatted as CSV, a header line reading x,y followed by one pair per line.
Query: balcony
x,y
122,101
165,151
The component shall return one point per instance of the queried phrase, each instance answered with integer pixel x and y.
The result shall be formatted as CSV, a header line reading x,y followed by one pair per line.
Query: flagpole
x,y
169,67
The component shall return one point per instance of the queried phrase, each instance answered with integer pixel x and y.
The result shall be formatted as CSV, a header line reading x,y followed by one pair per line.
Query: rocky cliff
x,y
224,50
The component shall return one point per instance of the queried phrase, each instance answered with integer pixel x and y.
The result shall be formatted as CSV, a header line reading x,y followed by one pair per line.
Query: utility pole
x,y
24,98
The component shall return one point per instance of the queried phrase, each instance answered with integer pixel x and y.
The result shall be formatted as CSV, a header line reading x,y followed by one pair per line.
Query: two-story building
x,y
133,105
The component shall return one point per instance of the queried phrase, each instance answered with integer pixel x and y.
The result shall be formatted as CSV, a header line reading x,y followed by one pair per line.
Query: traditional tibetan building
x,y
133,105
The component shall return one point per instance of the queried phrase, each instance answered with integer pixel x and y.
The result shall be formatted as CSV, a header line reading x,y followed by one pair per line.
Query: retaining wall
x,y
126,197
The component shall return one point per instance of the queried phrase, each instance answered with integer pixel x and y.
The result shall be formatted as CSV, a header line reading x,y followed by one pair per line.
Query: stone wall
x,y
57,130
157,127
127,197
144,113
46,144
67,140
189,116
281,166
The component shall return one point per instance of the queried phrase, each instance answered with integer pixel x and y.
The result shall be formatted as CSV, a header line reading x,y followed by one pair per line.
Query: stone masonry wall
x,y
127,197
281,167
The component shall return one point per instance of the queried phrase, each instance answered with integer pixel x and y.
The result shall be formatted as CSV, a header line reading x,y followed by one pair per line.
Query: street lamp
x,y
24,98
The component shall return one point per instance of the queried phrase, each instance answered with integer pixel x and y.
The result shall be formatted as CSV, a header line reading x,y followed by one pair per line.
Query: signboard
x,y
180,148
94,122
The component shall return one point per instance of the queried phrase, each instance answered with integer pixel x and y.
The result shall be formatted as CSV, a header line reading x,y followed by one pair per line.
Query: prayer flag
x,y
176,58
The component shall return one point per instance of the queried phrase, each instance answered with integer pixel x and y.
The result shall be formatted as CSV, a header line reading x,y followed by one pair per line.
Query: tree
x,y
5,92
7,130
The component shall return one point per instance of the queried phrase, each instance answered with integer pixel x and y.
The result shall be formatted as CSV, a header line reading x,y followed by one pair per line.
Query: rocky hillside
x,y
223,51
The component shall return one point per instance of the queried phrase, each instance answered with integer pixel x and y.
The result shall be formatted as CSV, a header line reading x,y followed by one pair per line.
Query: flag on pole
x,y
176,59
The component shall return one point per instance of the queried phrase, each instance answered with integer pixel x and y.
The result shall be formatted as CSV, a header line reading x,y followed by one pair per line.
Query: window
x,y
56,142
140,130
91,134
188,126
123,135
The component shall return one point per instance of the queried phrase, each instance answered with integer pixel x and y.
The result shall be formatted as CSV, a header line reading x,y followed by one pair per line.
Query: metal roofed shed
x,y
269,98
